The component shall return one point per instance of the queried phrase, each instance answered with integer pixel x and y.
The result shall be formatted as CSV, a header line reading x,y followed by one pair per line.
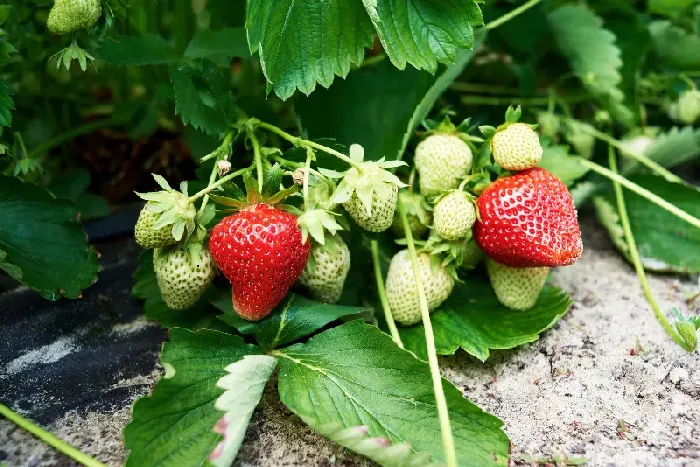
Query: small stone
x,y
678,374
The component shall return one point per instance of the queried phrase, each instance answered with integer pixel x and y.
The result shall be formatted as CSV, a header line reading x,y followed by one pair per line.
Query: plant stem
x,y
217,184
381,291
307,169
634,256
72,133
369,61
256,156
512,14
214,171
643,192
485,88
514,100
448,443
49,438
300,142
641,158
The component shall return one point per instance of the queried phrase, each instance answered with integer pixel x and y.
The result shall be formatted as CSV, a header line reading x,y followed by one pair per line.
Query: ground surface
x,y
605,383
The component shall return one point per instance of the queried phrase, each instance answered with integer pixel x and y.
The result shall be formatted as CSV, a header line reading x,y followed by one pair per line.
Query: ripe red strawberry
x,y
528,220
260,251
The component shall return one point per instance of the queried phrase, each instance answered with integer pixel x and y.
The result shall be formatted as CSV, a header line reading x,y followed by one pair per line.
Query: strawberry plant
x,y
339,238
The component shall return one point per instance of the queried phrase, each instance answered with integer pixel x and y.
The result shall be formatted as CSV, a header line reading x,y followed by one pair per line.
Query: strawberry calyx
x,y
171,207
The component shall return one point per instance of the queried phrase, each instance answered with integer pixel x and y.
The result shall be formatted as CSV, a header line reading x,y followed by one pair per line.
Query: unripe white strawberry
x,y
381,214
687,109
67,16
401,290
516,147
147,237
182,276
516,288
442,161
454,215
327,269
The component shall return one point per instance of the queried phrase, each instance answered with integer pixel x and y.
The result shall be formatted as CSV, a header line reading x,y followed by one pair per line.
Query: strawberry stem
x,y
223,149
49,438
217,184
448,443
381,291
256,156
512,14
634,256
643,192
627,152
307,169
300,142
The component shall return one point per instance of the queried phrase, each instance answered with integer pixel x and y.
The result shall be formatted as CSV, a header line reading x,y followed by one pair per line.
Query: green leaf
x,y
92,206
229,42
4,13
354,375
243,386
199,316
675,147
6,104
149,49
70,184
424,33
557,160
673,47
377,106
272,180
6,49
474,320
202,98
294,318
593,55
174,426
665,242
305,42
669,7
42,238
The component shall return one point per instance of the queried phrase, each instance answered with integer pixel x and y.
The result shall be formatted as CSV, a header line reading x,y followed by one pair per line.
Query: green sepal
x,y
272,180
226,201
283,194
251,188
513,114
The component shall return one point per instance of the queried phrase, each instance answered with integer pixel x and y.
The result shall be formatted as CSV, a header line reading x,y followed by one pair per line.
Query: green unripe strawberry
x,y
327,269
417,214
401,290
68,16
516,288
442,161
146,236
381,214
183,276
454,215
516,147
687,108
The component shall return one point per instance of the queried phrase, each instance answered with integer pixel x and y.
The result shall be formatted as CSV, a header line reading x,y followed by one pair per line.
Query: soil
x,y
605,384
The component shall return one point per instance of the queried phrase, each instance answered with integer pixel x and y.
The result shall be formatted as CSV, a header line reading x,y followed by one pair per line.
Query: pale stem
x,y
381,291
512,14
257,157
217,184
634,256
448,443
49,438
214,171
307,169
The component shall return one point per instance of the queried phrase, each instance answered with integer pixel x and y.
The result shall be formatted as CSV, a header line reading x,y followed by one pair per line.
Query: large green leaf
x,y
674,47
42,239
72,185
243,386
424,33
175,425
295,317
557,160
592,53
305,42
669,7
376,106
354,375
150,49
474,320
675,147
6,104
229,42
665,242
200,315
202,98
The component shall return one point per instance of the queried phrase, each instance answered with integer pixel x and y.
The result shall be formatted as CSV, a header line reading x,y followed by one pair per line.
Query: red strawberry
x,y
259,250
528,220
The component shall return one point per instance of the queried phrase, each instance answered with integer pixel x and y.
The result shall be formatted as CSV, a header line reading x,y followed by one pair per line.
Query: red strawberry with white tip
x,y
260,251
528,220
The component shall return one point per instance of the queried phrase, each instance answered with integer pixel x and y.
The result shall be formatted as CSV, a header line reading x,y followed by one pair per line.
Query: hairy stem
x,y
49,438
217,184
448,443
307,169
257,157
512,14
212,176
300,142
381,291
627,152
634,256
643,192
